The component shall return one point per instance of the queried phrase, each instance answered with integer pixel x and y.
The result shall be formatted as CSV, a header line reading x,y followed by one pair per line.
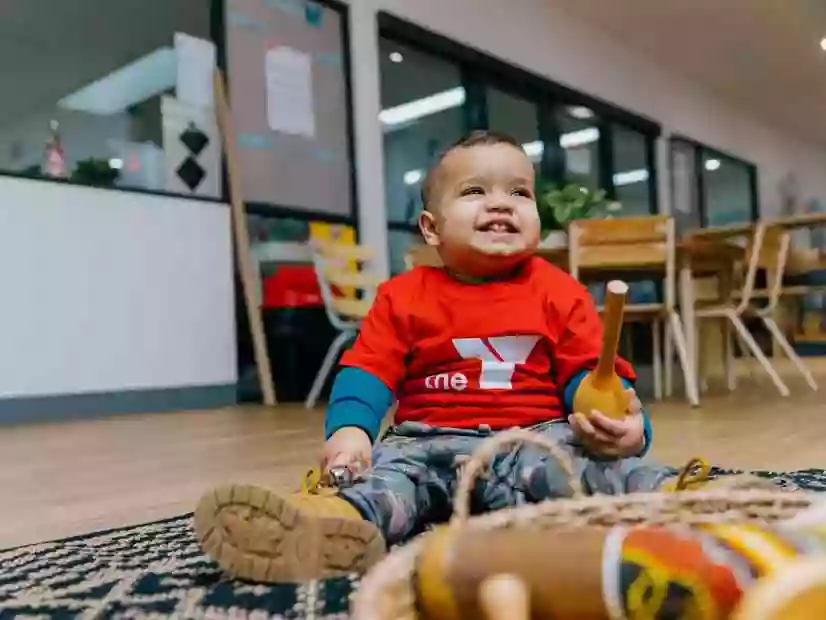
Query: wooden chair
x,y
731,307
638,246
772,255
339,284
421,255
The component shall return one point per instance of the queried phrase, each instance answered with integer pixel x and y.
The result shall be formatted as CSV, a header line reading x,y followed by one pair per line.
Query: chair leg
x,y
327,366
657,359
751,343
668,359
781,340
728,355
686,363
699,352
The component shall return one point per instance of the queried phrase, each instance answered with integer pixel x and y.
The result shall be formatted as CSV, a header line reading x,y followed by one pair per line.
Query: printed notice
x,y
289,79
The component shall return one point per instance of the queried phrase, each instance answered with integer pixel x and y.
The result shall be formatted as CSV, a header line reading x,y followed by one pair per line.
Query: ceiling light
x,y
413,110
411,177
396,57
116,163
823,44
579,138
146,77
631,176
570,140
534,150
580,112
712,164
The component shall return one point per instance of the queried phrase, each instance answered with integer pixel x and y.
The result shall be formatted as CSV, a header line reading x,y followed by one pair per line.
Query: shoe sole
x,y
257,535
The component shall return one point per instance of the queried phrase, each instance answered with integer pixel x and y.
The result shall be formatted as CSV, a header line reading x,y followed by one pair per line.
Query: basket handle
x,y
489,448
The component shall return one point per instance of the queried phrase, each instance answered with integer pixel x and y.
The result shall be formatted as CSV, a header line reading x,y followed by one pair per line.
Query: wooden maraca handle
x,y
615,293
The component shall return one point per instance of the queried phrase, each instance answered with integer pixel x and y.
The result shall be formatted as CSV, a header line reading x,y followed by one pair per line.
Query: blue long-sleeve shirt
x,y
359,399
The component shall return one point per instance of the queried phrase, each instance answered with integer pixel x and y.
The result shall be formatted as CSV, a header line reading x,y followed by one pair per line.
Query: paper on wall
x,y
196,67
289,80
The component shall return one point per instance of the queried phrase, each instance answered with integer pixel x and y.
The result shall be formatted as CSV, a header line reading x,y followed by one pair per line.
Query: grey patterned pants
x,y
414,474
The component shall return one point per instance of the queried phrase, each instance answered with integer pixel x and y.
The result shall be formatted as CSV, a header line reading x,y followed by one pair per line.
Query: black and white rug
x,y
158,571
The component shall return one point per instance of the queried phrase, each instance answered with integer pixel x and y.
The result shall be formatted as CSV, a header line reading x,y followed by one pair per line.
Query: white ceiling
x,y
50,48
763,55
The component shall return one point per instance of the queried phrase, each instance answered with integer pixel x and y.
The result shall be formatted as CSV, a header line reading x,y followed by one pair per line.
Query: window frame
x,y
699,149
480,71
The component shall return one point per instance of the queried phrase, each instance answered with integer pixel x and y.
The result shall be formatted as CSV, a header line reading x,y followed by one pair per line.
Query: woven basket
x,y
387,591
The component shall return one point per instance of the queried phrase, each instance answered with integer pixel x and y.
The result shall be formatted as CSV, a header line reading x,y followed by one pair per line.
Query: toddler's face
x,y
484,215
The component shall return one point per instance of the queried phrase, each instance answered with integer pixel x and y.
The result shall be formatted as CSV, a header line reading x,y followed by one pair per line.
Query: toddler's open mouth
x,y
499,226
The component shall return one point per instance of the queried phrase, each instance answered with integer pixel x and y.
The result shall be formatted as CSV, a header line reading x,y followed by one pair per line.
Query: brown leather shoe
x,y
260,535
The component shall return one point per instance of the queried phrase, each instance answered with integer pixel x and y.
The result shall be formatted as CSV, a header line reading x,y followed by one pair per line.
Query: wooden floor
x,y
64,479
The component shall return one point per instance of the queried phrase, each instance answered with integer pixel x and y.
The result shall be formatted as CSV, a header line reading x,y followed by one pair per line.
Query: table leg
x,y
726,333
689,324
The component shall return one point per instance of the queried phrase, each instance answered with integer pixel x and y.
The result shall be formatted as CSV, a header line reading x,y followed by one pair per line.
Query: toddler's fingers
x,y
609,426
588,431
341,459
361,463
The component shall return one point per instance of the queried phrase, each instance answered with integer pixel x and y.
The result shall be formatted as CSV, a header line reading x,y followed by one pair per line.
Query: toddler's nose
x,y
499,204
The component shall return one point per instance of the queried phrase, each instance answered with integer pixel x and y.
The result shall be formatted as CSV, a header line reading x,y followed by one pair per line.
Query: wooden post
x,y
242,242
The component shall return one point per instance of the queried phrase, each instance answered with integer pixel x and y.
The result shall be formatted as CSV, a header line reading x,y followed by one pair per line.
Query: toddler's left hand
x,y
609,437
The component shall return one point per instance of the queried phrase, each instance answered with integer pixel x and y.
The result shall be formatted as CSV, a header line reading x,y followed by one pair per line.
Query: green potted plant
x,y
96,172
559,206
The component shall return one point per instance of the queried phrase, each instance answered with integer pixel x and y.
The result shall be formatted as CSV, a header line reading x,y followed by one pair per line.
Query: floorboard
x,y
70,478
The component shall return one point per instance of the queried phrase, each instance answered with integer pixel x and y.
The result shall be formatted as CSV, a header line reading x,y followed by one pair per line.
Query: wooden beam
x,y
242,242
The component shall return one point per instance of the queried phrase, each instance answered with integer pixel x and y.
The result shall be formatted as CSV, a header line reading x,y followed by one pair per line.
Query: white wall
x,y
539,37
106,291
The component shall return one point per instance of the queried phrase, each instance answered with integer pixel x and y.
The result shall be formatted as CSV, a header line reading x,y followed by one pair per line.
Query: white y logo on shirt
x,y
499,357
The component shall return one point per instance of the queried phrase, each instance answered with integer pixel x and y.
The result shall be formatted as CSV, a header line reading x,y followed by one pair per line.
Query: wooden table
x,y
696,258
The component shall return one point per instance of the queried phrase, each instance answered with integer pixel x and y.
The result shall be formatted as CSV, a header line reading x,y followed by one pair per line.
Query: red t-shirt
x,y
500,353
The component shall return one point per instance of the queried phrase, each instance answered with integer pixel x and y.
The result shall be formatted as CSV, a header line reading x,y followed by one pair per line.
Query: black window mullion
x,y
605,156
552,167
754,188
700,184
651,166
476,101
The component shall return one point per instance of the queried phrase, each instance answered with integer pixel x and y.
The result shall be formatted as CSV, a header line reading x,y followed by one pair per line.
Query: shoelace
x,y
696,471
317,483
313,482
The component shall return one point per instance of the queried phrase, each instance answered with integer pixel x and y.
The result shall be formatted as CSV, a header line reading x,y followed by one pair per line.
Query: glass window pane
x,y
89,108
579,138
631,171
516,117
422,103
727,190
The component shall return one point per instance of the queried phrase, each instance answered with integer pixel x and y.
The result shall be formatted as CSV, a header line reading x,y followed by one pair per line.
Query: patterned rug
x,y
157,571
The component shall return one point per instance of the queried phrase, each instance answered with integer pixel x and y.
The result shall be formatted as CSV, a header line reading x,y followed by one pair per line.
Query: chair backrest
x,y
626,244
767,248
334,269
421,255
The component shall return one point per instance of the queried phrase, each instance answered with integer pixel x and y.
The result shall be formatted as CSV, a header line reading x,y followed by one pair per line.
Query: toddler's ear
x,y
427,224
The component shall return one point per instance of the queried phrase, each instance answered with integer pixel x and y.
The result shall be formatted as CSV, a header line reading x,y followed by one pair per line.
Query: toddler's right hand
x,y
348,447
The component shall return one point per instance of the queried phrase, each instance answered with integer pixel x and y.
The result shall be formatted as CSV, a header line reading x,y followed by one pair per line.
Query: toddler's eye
x,y
472,191
521,191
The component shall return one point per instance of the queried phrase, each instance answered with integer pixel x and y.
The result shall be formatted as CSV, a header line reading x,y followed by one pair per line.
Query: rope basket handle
x,y
492,446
